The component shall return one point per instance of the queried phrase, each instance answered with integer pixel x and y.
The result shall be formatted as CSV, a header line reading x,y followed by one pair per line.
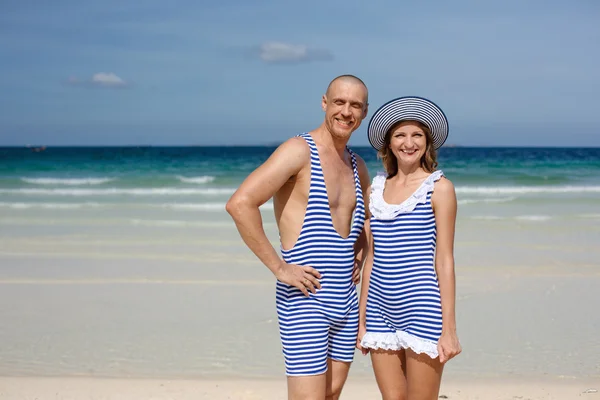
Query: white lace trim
x,y
398,341
382,210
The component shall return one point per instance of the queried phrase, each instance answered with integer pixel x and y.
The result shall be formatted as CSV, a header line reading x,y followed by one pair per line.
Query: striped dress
x,y
403,303
322,325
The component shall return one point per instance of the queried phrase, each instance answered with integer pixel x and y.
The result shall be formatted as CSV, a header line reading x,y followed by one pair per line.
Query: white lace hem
x,y
384,211
398,341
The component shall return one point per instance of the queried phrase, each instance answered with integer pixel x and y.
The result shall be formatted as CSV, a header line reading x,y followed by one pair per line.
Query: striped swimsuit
x,y
322,325
403,303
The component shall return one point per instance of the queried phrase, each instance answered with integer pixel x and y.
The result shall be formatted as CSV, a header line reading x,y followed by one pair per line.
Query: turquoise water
x,y
227,166
202,178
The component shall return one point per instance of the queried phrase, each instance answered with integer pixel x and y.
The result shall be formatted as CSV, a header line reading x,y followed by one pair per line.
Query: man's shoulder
x,y
294,150
295,145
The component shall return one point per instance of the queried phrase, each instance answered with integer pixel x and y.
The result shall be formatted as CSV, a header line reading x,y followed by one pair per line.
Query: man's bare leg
x,y
327,386
337,372
312,387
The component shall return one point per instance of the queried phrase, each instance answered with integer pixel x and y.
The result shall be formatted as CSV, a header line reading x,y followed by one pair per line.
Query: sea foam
x,y
196,179
207,206
526,189
67,181
121,191
47,206
535,218
487,200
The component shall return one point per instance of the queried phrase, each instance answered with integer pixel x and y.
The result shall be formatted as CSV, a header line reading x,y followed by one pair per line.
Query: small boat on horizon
x,y
36,149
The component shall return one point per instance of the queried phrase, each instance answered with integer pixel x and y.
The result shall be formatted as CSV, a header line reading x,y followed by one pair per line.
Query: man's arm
x,y
257,189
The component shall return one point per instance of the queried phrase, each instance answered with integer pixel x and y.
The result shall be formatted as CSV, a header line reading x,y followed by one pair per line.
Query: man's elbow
x,y
235,205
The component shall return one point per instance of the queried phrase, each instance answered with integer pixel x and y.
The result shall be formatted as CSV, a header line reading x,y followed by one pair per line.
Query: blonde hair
x,y
390,163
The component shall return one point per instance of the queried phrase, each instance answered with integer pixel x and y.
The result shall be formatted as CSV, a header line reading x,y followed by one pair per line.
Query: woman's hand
x,y
448,346
361,332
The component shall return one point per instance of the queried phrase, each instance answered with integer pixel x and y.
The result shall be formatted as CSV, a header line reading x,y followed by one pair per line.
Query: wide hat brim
x,y
411,108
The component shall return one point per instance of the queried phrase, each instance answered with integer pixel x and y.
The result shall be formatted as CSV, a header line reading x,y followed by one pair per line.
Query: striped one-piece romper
x,y
403,303
322,325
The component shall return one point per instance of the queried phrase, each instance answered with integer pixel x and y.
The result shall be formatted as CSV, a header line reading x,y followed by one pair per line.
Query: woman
x,y
407,320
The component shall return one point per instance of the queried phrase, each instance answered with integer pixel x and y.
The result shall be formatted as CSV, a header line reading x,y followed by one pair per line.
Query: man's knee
x,y
333,396
337,374
334,391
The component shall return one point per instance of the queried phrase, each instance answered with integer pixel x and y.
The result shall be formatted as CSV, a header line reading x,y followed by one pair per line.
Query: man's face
x,y
345,106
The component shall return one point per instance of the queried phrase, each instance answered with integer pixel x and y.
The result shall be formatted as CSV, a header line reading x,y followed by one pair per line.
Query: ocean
x,y
178,186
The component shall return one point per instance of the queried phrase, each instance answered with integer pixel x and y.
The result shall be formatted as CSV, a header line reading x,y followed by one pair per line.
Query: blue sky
x,y
507,73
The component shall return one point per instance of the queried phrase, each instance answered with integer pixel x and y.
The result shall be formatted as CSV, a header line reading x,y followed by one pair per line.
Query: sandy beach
x,y
134,389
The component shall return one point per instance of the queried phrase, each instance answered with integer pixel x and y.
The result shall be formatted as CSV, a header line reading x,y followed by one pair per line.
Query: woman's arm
x,y
364,288
445,208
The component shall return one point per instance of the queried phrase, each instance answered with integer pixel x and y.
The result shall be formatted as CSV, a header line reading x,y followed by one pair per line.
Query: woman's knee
x,y
394,394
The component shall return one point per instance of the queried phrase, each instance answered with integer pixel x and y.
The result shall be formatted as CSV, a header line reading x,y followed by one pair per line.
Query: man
x,y
319,189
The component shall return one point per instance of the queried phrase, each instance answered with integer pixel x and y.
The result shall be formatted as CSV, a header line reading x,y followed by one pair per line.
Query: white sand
x,y
133,302
127,389
534,322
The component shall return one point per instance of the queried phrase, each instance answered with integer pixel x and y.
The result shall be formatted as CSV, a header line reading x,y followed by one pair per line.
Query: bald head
x,y
347,79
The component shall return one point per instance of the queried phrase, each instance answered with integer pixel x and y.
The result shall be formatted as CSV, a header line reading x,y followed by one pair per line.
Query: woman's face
x,y
408,142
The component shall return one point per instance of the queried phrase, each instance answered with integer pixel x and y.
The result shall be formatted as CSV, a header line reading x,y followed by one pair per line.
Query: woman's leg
x,y
390,373
423,377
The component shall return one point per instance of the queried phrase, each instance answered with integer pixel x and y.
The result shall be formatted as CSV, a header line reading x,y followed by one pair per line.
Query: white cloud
x,y
277,52
100,79
107,79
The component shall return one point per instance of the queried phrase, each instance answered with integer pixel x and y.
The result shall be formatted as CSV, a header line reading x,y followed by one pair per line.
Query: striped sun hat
x,y
408,108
